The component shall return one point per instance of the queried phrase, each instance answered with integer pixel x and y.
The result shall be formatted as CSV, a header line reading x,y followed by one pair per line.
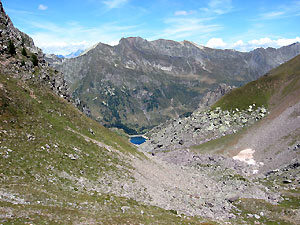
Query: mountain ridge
x,y
139,40
145,75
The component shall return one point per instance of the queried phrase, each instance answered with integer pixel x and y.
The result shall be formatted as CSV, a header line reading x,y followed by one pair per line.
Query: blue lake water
x,y
137,140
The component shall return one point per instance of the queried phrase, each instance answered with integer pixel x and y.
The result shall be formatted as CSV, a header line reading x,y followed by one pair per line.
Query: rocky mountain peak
x,y
132,41
190,43
9,33
4,19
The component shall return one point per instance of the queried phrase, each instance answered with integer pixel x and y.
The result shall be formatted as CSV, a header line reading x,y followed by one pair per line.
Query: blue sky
x,y
63,26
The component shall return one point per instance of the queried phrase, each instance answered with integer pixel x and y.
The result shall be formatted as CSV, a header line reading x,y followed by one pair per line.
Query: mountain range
x,y
71,55
139,84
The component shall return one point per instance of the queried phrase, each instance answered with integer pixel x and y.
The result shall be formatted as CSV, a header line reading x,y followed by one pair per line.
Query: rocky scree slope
x,y
200,127
138,84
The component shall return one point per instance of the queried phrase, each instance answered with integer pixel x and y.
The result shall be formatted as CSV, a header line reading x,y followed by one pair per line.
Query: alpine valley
x,y
233,158
139,84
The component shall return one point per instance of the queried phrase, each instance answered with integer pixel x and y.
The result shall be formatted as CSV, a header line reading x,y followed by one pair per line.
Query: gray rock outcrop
x,y
200,127
213,96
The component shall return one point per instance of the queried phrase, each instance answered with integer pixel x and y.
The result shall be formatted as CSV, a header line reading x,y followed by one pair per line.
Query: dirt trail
x,y
100,144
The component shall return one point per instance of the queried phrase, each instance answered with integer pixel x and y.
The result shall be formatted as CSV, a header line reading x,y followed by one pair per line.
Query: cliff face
x,y
9,32
213,96
138,84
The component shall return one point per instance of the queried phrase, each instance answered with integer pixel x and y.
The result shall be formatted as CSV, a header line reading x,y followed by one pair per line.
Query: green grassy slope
x,y
44,154
278,83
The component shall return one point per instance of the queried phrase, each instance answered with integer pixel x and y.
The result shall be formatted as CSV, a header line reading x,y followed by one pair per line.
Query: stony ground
x,y
202,126
261,162
195,186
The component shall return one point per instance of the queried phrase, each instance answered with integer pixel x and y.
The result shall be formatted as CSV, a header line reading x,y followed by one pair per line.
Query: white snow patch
x,y
246,156
164,68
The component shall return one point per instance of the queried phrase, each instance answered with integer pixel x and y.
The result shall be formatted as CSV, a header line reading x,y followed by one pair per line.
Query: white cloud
x,y
218,7
52,44
19,12
291,9
252,44
268,42
180,28
72,36
238,43
216,43
272,15
192,25
184,13
111,4
286,41
261,41
42,7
